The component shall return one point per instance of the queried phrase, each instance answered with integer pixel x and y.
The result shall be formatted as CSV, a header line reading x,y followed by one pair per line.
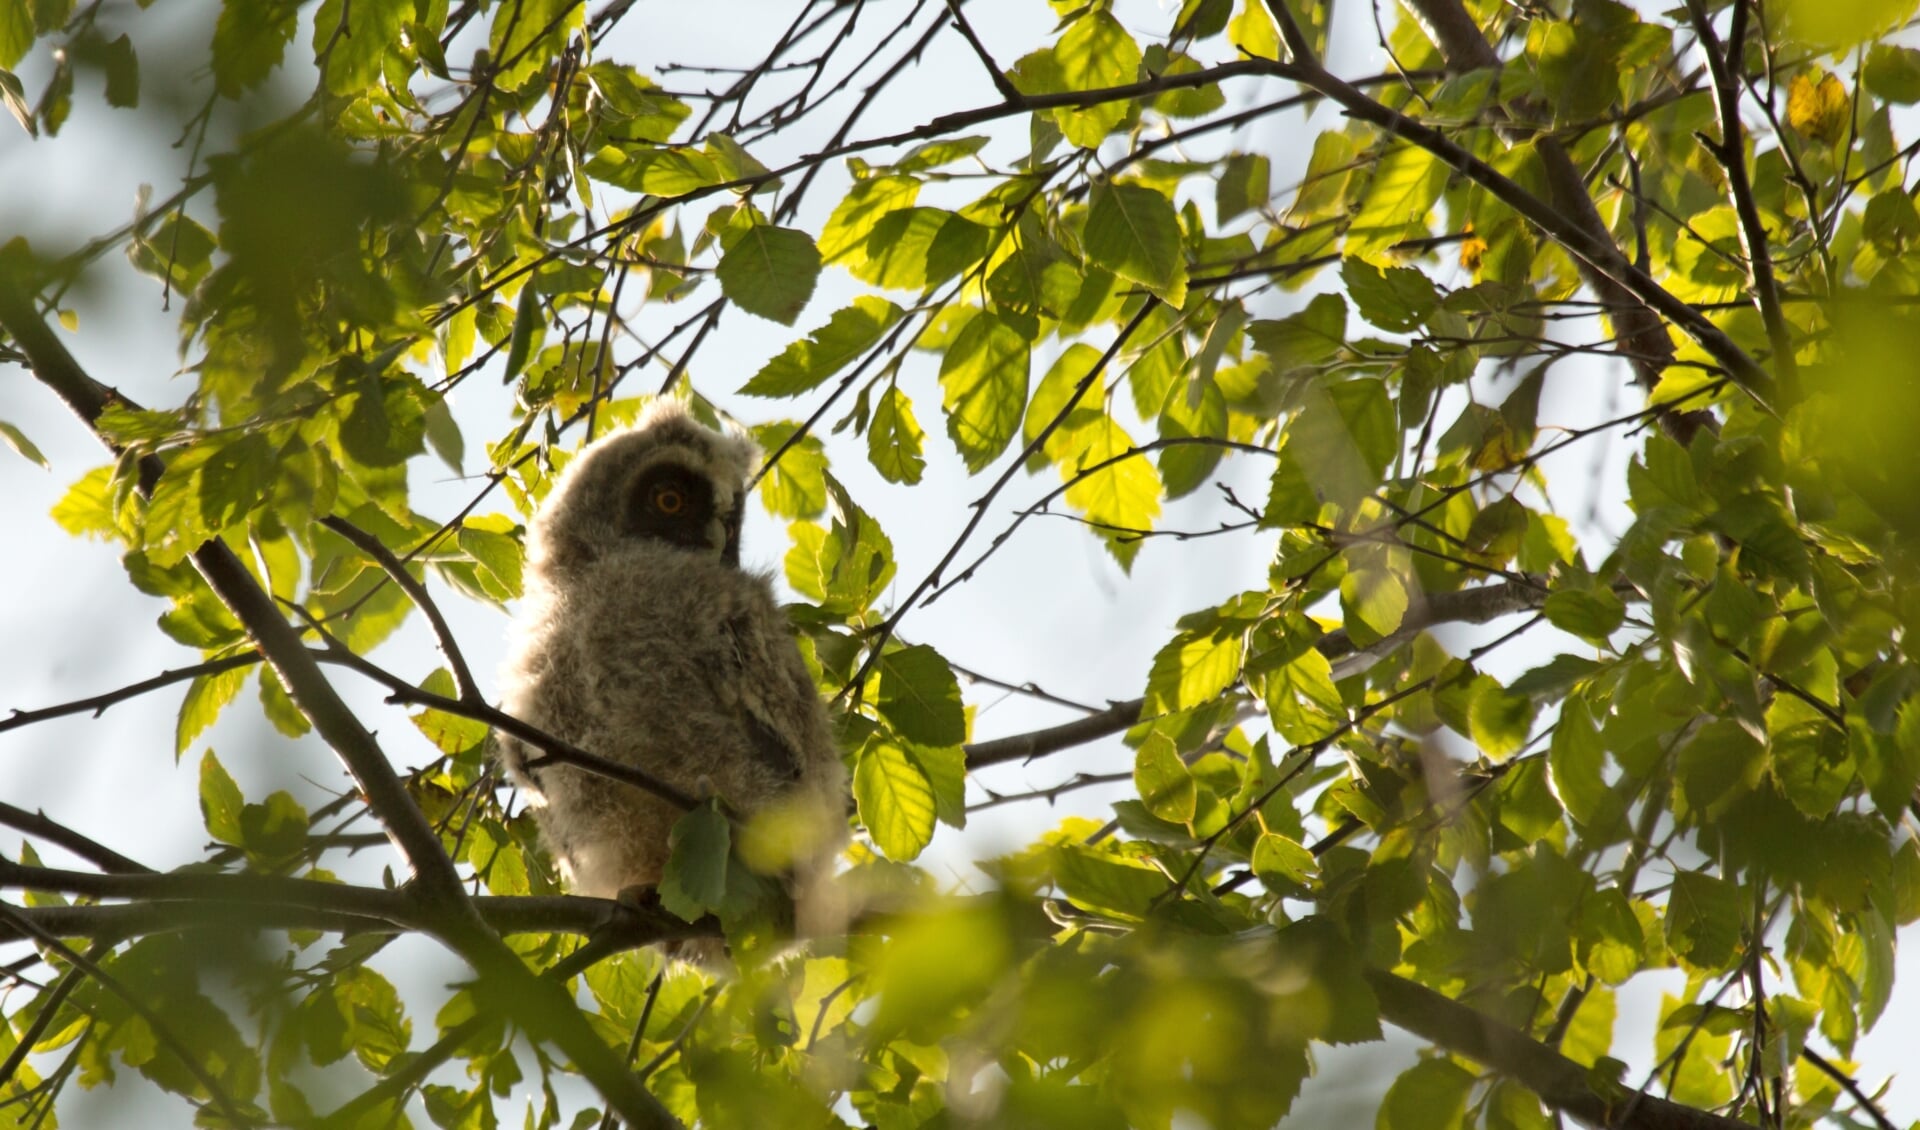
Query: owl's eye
x,y
667,498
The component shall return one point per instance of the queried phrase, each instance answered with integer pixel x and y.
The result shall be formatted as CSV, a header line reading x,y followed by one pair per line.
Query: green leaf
x,y
695,878
1165,784
1590,1032
853,219
1134,232
945,768
1893,73
1345,438
1310,337
1721,761
1704,920
1193,669
894,439
355,36
500,557
526,317
1106,884
450,733
1282,865
1185,468
1050,399
526,36
1575,763
236,477
248,41
796,486
1244,186
1373,601
220,802
1430,1095
1498,720
895,800
920,697
770,271
1591,614
943,151
827,350
900,248
1396,298
1405,186
983,381
207,695
17,439
1094,52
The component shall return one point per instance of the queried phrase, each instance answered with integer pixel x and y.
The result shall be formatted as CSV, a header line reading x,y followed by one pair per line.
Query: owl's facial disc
x,y
674,504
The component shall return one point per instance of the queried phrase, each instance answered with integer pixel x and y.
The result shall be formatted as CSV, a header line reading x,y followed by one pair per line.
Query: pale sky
x,y
1051,607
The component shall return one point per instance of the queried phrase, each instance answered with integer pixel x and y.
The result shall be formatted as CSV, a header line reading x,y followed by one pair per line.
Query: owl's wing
x,y
752,677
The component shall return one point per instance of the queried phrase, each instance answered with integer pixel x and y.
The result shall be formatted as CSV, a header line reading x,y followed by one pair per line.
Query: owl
x,y
641,639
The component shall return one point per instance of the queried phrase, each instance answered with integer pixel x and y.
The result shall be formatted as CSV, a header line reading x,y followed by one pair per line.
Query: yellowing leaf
x,y
1820,110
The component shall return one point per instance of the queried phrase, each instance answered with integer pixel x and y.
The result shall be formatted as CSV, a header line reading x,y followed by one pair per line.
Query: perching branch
x,y
544,1009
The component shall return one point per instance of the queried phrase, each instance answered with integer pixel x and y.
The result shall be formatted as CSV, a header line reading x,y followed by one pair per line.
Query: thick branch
x,y
1636,311
1560,1082
1724,67
1577,228
544,1009
159,902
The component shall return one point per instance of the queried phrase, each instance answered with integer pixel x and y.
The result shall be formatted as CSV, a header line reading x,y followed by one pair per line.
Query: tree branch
x,y
417,592
1724,68
1638,328
1586,239
98,704
1560,1082
1477,605
543,1009
40,825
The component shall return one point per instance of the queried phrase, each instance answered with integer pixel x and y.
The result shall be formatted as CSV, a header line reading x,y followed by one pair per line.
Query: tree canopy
x,y
1576,332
